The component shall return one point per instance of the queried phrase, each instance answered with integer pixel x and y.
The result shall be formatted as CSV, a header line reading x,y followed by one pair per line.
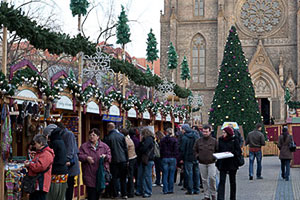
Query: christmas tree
x,y
185,71
79,7
152,51
148,71
172,57
234,99
123,30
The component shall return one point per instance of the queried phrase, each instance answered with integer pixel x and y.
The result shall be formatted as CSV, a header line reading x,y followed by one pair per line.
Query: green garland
x,y
57,43
5,88
43,38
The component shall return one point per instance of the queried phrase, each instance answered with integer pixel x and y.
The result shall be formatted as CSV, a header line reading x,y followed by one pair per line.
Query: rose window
x,y
261,16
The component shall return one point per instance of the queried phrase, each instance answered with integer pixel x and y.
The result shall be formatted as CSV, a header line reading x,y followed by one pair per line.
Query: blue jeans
x,y
193,176
168,169
285,168
252,156
144,179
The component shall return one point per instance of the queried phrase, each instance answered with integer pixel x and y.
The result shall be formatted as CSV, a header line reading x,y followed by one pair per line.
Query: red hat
x,y
229,131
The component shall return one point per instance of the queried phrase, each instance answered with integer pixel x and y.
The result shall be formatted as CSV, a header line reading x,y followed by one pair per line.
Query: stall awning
x,y
92,107
114,110
146,115
64,103
26,93
132,113
176,120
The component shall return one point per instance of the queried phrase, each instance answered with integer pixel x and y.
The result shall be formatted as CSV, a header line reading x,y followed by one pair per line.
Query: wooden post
x,y
80,64
124,86
4,71
172,118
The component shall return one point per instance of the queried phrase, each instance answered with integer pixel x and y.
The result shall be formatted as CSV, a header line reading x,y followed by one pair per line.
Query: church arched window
x,y
198,59
199,8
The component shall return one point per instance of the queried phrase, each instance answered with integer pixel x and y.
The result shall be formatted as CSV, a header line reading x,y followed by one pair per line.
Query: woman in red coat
x,y
41,163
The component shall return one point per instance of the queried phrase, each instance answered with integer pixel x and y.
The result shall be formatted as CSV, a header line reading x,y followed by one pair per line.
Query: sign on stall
x,y
64,103
111,118
92,107
132,113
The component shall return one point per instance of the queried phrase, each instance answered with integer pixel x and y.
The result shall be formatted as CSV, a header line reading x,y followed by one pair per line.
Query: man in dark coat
x,y
72,158
119,161
191,165
255,140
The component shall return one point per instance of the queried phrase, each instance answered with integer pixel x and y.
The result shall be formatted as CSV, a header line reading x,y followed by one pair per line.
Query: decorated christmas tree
x,y
123,30
152,51
172,57
234,99
185,71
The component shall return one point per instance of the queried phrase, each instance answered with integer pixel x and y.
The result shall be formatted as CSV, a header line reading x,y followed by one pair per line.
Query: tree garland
x,y
5,88
57,43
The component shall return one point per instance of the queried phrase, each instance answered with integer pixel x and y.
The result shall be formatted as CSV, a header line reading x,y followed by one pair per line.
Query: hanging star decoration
x,y
96,65
166,88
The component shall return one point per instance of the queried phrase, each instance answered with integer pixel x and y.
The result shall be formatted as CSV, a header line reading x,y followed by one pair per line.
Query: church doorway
x,y
264,108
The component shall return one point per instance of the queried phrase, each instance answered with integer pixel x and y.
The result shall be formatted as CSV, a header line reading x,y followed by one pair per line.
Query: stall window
x,y
198,59
199,8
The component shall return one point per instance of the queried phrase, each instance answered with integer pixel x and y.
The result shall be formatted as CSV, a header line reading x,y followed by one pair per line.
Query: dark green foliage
x,y
123,30
172,57
234,99
43,38
148,71
185,70
152,51
57,43
79,7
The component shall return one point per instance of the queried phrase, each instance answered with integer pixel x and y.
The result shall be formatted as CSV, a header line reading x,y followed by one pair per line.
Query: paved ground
x,y
272,187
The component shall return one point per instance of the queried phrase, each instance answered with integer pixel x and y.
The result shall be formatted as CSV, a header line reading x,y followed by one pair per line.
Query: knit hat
x,y
229,131
48,130
186,127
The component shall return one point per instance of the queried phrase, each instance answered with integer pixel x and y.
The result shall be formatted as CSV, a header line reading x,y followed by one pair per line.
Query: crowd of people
x,y
121,165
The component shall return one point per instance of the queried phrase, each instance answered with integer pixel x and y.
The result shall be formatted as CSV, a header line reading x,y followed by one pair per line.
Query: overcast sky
x,y
142,14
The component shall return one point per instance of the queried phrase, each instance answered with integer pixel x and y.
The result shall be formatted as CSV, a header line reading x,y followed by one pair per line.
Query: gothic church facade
x,y
269,33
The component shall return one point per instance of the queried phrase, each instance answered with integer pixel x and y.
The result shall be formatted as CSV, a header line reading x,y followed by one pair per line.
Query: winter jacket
x,y
118,146
72,152
146,147
130,147
187,143
168,147
204,149
255,139
285,152
41,162
89,171
232,145
59,148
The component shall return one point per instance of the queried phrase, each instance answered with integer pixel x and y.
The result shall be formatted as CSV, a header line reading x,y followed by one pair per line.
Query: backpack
x,y
156,150
28,182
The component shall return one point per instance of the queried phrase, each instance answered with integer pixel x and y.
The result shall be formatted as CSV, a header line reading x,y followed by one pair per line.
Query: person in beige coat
x,y
285,155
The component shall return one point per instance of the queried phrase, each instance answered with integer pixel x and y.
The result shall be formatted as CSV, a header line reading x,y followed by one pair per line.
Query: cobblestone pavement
x,y
271,187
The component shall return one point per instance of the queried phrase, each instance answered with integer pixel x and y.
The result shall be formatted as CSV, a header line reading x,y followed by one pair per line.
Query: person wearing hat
x,y
191,164
228,143
255,140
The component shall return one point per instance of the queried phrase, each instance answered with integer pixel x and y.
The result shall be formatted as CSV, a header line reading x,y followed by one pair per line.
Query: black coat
x,y
187,144
146,147
118,146
57,144
229,145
